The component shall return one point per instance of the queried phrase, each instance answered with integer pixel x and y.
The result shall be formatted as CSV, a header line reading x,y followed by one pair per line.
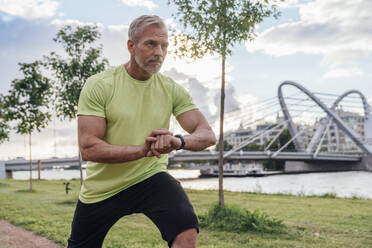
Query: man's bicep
x,y
92,100
89,129
192,120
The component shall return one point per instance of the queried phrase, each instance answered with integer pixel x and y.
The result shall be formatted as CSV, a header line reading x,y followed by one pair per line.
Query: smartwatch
x,y
182,141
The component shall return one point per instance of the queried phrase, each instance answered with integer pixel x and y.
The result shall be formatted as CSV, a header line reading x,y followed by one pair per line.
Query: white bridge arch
x,y
331,115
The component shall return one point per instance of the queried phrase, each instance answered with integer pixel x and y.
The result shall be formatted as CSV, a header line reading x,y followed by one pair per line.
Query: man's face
x,y
151,48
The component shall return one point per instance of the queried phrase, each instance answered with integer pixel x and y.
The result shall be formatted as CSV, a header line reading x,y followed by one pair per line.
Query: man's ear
x,y
130,45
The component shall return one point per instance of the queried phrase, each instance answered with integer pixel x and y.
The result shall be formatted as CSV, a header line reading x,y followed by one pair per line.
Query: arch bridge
x,y
306,157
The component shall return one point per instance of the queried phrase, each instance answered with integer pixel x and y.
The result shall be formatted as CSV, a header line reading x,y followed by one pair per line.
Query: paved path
x,y
15,237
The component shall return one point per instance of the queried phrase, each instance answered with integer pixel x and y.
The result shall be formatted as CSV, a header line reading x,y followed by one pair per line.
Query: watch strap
x,y
182,141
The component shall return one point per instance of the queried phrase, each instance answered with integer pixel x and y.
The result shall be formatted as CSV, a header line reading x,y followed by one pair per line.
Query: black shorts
x,y
160,197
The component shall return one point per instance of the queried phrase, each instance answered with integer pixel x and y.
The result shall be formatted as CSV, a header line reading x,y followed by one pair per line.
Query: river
x,y
343,184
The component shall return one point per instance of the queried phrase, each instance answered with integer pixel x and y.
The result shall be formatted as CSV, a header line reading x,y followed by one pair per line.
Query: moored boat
x,y
252,169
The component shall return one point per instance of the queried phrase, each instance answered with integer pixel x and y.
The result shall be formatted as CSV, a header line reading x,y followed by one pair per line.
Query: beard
x,y
145,65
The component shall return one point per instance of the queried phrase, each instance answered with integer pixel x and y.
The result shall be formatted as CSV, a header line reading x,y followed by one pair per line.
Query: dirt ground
x,y
15,237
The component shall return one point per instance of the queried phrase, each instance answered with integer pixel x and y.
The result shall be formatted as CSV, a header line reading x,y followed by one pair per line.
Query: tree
x,y
253,147
4,128
215,26
27,102
283,138
226,146
82,61
4,132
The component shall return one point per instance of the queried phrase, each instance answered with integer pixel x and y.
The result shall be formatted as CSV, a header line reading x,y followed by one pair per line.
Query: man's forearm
x,y
199,140
105,153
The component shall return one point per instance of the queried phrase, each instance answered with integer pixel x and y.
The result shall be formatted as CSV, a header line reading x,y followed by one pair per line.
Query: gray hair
x,y
140,22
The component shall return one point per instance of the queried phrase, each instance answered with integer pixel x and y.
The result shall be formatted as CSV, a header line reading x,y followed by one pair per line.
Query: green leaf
x,y
26,103
71,72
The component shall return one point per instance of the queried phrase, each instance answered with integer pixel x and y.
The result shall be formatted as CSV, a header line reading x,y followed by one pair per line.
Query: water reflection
x,y
343,184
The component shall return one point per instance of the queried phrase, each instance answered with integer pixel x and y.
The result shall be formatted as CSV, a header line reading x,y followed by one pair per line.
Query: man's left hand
x,y
164,144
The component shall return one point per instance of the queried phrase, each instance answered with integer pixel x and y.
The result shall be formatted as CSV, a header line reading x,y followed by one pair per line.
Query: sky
x,y
324,45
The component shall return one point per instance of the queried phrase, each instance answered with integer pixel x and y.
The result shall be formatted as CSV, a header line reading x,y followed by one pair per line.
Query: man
x,y
123,121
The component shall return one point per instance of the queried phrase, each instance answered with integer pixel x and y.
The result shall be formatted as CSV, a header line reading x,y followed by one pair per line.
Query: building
x,y
237,137
334,139
242,134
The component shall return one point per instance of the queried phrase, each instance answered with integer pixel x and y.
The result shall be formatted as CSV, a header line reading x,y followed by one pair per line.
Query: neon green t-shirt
x,y
133,109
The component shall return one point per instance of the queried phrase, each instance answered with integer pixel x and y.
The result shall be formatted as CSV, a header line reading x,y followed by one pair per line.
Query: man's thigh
x,y
91,223
168,206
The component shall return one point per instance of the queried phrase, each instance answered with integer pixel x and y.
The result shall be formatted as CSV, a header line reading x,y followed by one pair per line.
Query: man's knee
x,y
186,239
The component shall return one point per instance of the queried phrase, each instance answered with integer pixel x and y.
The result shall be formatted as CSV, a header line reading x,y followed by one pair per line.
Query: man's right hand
x,y
165,144
150,139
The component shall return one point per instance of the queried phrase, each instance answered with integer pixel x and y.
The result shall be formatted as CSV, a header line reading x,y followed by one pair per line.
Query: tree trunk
x,y
79,160
29,143
220,142
81,170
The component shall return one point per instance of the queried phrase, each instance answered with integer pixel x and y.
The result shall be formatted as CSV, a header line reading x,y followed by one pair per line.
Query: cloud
x,y
238,105
288,4
24,41
241,116
206,94
43,142
343,72
206,70
150,5
340,30
74,22
201,95
29,9
176,75
292,38
231,104
343,57
113,39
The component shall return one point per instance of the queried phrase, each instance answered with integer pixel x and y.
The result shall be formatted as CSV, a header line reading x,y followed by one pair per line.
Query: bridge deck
x,y
196,156
290,156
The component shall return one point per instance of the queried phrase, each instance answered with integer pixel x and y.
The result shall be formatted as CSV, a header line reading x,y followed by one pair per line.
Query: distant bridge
x,y
22,165
288,156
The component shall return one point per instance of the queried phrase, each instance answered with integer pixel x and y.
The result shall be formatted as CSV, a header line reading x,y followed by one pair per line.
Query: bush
x,y
4,185
26,191
237,219
328,195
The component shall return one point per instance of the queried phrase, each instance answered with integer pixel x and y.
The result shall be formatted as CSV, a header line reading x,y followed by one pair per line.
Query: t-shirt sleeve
x,y
92,99
182,101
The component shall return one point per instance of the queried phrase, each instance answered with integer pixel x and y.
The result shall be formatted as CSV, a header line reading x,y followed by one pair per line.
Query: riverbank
x,y
315,222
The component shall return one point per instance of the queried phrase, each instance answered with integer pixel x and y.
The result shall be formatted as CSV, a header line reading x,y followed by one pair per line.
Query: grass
x,y
312,222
